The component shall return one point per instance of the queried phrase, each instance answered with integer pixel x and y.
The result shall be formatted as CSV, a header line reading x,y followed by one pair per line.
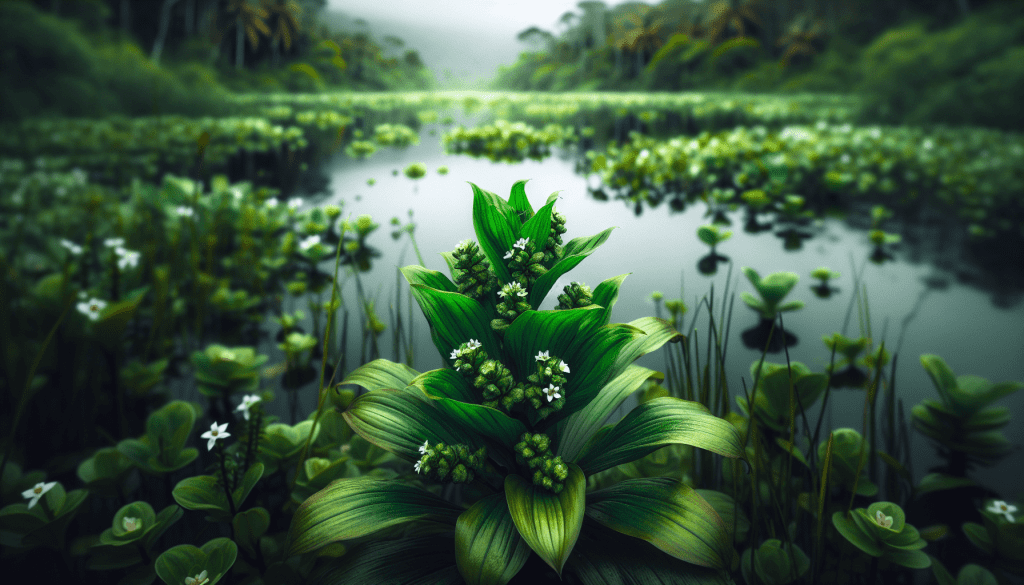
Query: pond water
x,y
918,303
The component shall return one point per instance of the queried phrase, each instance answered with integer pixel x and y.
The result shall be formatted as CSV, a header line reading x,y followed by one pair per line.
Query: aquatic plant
x,y
771,395
881,530
712,235
775,562
772,289
416,171
515,418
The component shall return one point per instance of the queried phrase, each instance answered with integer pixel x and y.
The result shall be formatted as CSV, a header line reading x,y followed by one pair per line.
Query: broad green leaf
x,y
446,383
912,559
855,535
455,319
658,333
416,274
214,557
518,201
605,557
201,492
245,486
729,512
421,560
350,508
668,514
249,526
497,227
164,520
381,373
662,421
538,228
399,422
606,294
573,253
576,430
941,375
975,575
488,548
550,523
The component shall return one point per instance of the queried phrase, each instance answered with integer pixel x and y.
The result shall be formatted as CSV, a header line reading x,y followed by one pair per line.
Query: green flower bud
x,y
574,296
473,273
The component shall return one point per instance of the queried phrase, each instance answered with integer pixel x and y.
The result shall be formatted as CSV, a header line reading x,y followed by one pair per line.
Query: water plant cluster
x,y
507,141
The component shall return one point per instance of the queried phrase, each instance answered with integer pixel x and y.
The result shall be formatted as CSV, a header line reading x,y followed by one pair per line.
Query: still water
x,y
915,306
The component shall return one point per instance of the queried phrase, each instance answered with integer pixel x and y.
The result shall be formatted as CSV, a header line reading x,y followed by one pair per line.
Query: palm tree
x,y
803,38
284,16
732,15
250,21
639,32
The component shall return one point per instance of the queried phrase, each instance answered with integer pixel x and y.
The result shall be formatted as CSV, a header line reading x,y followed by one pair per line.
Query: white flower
x,y
455,355
501,293
309,242
423,447
552,392
564,366
185,211
541,355
128,258
417,466
473,344
33,495
521,244
1001,507
521,292
883,520
294,203
215,432
272,203
113,242
247,401
507,255
71,246
92,308
131,524
200,579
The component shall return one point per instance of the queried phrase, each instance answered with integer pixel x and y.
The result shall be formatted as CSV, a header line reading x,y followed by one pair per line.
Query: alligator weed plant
x,y
504,438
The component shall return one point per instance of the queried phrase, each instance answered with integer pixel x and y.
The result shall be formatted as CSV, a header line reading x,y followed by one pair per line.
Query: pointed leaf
x,y
606,294
576,430
455,319
538,228
399,422
518,201
497,227
662,421
941,376
381,373
550,523
658,333
248,482
350,508
415,274
488,547
668,514
573,253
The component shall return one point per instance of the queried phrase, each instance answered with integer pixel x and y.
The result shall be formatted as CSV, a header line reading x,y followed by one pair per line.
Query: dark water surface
x,y
975,330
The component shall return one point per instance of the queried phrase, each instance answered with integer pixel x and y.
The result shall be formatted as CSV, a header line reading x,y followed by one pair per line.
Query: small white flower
x,y
501,293
92,308
185,211
541,355
1001,507
33,494
552,392
272,203
247,401
521,292
72,247
294,203
131,524
200,579
113,242
128,258
564,366
215,433
423,447
455,355
507,255
417,466
309,242
473,344
883,520
521,244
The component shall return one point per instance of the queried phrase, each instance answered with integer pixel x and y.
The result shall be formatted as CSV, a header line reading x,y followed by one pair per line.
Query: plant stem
x,y
224,482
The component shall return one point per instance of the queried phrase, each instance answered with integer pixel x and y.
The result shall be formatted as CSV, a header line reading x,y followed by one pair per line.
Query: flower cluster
x,y
525,265
549,471
545,390
575,295
468,358
497,386
472,271
512,304
125,258
553,247
454,463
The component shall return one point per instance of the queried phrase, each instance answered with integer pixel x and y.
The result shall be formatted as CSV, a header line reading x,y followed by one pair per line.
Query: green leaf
x,y
913,559
575,431
549,523
381,373
668,514
856,536
164,520
421,560
606,294
605,557
488,547
214,557
941,375
658,333
972,574
249,526
201,492
350,508
399,422
497,227
978,536
572,254
245,486
662,421
538,228
416,274
518,201
455,319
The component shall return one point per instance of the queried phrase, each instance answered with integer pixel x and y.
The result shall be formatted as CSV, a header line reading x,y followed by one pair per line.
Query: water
x,y
975,330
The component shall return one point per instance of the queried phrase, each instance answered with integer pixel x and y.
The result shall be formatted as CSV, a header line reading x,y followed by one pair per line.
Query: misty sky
x,y
470,38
